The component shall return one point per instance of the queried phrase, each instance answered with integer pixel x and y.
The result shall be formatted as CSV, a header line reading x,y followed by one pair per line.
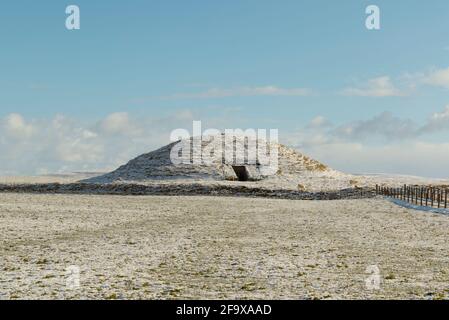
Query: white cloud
x,y
410,158
16,127
116,123
382,143
438,78
405,84
439,121
384,125
62,144
319,122
241,92
376,87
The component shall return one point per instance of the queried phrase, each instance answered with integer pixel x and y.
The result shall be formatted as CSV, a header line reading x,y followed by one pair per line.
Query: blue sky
x,y
260,64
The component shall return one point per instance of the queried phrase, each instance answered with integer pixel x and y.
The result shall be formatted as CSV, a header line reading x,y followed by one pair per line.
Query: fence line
x,y
428,196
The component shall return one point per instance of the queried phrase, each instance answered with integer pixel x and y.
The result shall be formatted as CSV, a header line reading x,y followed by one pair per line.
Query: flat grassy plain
x,y
168,247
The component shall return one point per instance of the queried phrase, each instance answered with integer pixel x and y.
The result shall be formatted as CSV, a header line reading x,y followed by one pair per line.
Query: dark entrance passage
x,y
241,172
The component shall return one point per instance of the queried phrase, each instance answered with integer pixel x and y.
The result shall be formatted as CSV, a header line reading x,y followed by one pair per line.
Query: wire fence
x,y
429,196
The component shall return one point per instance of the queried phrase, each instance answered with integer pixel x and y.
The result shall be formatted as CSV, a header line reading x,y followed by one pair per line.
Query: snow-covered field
x,y
312,182
213,247
51,178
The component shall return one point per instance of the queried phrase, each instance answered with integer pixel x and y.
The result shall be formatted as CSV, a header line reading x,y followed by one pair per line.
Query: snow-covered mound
x,y
284,163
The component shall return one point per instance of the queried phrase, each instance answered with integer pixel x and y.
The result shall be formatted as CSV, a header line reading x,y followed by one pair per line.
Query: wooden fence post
x,y
417,194
431,196
439,197
413,194
421,195
445,198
